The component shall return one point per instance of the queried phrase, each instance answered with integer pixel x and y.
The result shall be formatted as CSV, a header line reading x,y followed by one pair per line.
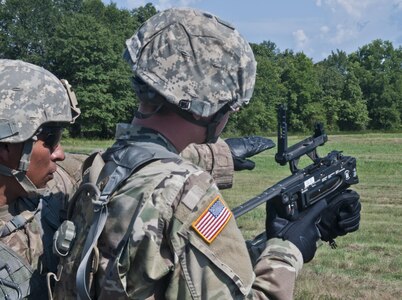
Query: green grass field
x,y
368,263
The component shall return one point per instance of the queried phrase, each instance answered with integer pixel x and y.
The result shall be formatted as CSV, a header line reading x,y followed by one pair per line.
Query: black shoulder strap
x,y
123,159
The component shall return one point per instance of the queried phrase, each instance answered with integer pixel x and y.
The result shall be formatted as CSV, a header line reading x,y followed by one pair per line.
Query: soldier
x,y
159,228
30,216
34,108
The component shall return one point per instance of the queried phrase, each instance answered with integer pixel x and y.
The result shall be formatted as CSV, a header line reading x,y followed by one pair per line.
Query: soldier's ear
x,y
4,152
10,154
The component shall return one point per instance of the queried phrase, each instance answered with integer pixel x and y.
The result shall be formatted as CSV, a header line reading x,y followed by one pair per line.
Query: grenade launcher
x,y
324,179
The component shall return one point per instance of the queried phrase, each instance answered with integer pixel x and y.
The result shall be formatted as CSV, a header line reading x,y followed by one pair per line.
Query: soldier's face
x,y
43,160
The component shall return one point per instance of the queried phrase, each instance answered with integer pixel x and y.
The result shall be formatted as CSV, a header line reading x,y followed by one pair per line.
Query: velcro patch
x,y
212,220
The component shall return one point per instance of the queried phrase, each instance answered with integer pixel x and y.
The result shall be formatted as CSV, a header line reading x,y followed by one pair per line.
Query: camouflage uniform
x,y
214,158
159,253
34,241
26,243
30,97
168,233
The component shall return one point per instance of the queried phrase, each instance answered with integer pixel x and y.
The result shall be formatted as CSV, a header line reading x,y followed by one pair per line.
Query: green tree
x,y
91,60
341,93
353,114
303,91
25,29
331,78
260,116
379,71
143,13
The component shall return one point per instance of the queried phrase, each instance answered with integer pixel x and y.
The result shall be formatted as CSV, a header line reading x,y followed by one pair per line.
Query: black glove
x,y
341,216
242,148
302,232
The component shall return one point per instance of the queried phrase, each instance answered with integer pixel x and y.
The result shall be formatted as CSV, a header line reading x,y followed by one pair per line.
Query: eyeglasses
x,y
50,135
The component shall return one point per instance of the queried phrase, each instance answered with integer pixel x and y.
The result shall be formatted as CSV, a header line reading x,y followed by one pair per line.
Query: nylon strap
x,y
7,129
20,173
17,222
26,155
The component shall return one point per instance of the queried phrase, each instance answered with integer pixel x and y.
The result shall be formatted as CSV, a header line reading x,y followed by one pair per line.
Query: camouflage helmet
x,y
31,96
194,60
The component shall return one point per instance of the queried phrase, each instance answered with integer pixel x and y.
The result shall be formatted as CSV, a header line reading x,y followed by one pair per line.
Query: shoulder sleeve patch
x,y
212,220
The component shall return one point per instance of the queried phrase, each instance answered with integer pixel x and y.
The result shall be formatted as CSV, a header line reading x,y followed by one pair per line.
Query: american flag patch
x,y
212,220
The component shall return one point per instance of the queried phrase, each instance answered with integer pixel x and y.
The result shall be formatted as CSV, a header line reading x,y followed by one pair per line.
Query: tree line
x,y
83,41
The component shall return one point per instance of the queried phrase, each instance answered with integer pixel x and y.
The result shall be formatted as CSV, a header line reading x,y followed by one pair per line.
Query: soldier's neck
x,y
178,131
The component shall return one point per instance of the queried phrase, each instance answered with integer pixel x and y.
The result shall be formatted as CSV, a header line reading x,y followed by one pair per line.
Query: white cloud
x,y
164,4
324,29
356,22
356,9
301,38
343,34
353,8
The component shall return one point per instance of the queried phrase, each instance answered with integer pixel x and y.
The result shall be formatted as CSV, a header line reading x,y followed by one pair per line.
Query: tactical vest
x,y
14,274
18,280
76,240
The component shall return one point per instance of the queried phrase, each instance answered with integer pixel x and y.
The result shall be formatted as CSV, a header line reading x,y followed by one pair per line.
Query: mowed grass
x,y
368,263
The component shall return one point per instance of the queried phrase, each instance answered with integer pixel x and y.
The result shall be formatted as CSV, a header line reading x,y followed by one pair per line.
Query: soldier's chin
x,y
43,184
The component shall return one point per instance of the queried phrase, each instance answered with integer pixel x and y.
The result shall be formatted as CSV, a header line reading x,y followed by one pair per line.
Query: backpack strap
x,y
122,160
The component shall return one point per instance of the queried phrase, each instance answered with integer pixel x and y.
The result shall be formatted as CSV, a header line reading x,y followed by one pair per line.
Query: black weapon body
x,y
322,180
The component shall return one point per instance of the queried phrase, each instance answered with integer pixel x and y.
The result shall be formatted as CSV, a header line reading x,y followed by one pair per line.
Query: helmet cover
x,y
194,60
31,96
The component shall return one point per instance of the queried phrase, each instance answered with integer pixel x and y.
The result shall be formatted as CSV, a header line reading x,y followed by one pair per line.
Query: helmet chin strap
x,y
214,123
20,173
141,115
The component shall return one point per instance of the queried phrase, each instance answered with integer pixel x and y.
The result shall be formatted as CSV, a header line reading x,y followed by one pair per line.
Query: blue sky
x,y
315,27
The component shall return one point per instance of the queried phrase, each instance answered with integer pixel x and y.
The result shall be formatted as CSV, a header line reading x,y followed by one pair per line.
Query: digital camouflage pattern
x,y
23,248
72,166
17,276
194,60
214,158
148,248
27,242
32,244
51,209
29,97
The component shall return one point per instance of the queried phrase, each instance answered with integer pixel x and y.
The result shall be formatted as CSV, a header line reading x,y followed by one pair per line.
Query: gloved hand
x,y
341,216
302,232
245,147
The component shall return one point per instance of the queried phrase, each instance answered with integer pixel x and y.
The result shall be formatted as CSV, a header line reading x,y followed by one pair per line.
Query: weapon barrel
x,y
267,195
